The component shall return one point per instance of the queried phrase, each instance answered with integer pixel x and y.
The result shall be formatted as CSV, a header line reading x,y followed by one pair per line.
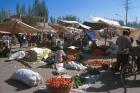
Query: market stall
x,y
16,26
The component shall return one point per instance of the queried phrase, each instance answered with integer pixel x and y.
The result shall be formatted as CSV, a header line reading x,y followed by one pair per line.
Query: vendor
x,y
124,43
59,55
112,48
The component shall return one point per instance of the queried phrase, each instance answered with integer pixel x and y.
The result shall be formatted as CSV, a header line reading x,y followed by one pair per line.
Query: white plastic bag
x,y
27,76
74,65
17,55
59,65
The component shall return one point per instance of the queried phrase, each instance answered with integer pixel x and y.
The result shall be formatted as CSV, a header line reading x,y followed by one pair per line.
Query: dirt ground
x,y
107,83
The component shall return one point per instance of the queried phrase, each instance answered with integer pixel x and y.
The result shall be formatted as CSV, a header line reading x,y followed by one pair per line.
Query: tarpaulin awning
x,y
16,26
91,34
106,21
96,26
75,22
59,28
4,32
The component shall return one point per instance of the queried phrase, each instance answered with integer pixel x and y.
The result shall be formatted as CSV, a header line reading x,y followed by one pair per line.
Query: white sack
x,y
17,55
27,76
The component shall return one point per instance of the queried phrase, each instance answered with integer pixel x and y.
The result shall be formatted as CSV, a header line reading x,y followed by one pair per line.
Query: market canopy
x,y
16,26
59,28
106,21
75,22
95,26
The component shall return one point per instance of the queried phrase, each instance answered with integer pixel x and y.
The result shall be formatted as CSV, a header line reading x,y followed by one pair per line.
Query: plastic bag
x,y
27,76
74,65
17,55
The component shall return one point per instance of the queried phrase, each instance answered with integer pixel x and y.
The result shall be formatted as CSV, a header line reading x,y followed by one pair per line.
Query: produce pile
x,y
92,71
100,62
78,81
57,82
71,58
31,56
98,52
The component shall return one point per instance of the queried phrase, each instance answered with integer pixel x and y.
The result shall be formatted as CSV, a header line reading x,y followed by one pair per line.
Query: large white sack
x,y
27,76
17,55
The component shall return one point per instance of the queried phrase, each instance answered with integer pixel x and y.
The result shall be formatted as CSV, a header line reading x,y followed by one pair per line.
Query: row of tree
x,y
38,8
33,13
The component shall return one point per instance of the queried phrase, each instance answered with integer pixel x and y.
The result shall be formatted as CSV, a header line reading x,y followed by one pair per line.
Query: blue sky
x,y
83,8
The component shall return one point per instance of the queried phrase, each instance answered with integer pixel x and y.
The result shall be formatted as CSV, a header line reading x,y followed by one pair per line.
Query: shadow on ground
x,y
19,85
109,81
41,91
45,66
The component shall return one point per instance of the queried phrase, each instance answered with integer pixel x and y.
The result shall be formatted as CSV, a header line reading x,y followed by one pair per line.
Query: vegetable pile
x,y
100,63
61,83
71,58
98,52
78,81
92,71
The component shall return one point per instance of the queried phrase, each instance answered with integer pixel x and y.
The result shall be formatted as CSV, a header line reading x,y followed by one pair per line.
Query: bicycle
x,y
128,72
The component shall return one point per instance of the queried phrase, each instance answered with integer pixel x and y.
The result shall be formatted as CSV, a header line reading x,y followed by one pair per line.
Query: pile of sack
x,y
34,54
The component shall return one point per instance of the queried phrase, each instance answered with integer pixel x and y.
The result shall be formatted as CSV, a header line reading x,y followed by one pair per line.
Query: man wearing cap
x,y
124,43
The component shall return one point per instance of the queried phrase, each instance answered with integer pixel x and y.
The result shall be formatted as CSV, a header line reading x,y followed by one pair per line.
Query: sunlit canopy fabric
x,y
106,21
4,32
75,22
59,28
16,26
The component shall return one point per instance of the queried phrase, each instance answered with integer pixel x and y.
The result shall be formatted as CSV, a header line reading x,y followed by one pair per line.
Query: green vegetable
x,y
78,81
92,71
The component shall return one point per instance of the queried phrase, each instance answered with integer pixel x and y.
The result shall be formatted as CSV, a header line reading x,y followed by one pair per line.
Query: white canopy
x,y
106,21
75,22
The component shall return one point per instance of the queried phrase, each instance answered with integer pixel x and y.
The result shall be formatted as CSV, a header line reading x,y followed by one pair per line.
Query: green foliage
x,y
18,8
30,20
52,20
3,14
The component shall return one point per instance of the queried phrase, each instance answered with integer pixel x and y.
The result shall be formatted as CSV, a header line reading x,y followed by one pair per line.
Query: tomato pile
x,y
71,57
98,52
57,82
99,63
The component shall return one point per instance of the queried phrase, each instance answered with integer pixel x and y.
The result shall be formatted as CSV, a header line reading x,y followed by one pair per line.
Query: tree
x,y
36,8
30,10
3,14
18,9
52,20
43,10
23,10
30,20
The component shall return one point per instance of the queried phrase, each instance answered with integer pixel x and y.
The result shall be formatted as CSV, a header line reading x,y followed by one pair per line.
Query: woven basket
x,y
59,90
